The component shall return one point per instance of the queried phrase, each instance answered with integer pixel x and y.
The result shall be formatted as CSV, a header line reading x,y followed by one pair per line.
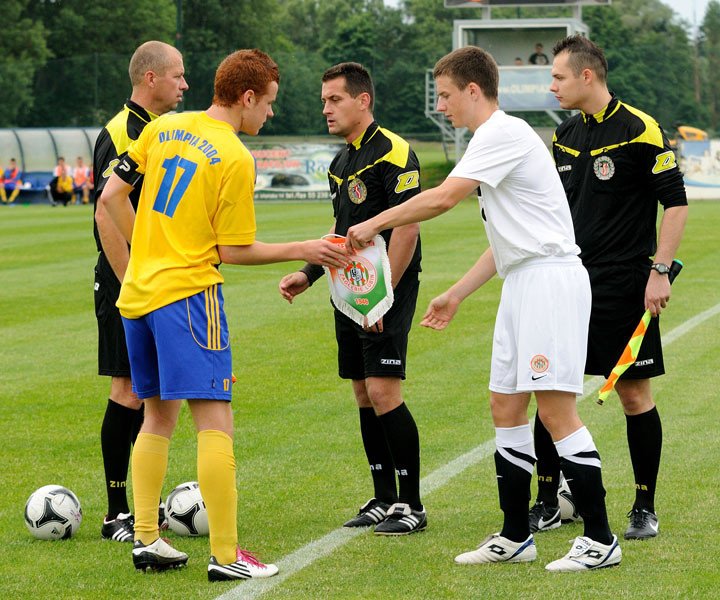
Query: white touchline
x,y
308,554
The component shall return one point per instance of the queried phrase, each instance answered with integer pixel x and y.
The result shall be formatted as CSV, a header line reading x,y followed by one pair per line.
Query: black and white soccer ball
x,y
568,510
185,510
53,512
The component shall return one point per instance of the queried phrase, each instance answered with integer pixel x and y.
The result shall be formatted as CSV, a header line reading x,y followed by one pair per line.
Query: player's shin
x,y
580,463
216,477
548,465
514,463
149,463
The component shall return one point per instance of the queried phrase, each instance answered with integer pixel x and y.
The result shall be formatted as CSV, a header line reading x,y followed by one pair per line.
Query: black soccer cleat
x,y
402,520
370,513
119,529
643,524
543,517
158,556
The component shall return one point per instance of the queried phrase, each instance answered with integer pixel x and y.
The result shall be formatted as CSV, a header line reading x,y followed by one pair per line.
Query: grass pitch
x,y
301,467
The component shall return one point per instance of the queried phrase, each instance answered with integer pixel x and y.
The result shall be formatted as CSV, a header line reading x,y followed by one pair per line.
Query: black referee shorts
x,y
112,351
618,304
364,354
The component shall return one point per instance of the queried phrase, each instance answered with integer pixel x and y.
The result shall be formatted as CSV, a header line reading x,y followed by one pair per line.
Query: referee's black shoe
x,y
643,524
543,517
370,513
402,520
119,529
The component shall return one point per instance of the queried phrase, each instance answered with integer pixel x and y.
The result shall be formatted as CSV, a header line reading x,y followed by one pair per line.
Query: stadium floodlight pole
x,y
632,349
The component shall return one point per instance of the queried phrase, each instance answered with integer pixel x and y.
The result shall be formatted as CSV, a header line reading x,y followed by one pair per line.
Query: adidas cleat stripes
x,y
245,567
370,513
402,520
119,529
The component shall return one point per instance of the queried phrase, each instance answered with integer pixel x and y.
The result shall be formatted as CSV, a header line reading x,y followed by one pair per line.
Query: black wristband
x,y
313,272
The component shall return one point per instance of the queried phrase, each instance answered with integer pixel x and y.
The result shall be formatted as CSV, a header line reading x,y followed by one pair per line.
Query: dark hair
x,y
470,64
242,71
583,54
357,79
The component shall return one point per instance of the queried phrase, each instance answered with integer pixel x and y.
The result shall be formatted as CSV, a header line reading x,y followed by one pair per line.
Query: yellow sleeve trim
x,y
236,239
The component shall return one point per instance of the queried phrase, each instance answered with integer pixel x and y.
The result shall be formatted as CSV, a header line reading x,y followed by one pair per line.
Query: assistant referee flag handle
x,y
632,349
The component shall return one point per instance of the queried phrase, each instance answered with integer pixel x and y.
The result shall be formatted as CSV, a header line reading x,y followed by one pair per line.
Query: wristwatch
x,y
661,268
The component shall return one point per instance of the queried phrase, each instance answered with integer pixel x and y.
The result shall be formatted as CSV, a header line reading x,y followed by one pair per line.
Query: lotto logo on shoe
x,y
390,361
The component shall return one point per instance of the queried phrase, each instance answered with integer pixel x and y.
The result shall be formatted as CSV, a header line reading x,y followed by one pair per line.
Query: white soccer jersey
x,y
522,202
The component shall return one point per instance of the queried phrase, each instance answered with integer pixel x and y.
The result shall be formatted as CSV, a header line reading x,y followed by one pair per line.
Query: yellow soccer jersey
x,y
197,194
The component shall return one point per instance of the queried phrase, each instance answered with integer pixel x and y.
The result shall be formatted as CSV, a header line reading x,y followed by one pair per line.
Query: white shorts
x,y
541,330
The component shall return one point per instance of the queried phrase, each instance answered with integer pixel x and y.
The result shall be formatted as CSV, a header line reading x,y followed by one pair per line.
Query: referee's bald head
x,y
151,56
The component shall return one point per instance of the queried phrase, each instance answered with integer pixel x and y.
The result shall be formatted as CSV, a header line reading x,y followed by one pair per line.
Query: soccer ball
x,y
53,512
568,511
186,512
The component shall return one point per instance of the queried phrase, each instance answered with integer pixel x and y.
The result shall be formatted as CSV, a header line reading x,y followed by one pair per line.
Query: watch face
x,y
661,268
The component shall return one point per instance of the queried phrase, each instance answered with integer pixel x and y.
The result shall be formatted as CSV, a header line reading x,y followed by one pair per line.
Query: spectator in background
x,y
539,58
61,186
518,61
60,167
10,183
81,181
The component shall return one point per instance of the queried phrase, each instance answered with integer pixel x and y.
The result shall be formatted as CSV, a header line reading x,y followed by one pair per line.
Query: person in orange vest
x,y
10,182
81,181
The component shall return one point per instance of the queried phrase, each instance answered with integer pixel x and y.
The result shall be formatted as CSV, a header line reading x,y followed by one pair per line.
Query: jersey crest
x,y
357,191
604,168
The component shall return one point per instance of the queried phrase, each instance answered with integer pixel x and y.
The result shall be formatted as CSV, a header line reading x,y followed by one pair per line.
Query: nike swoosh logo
x,y
542,522
654,527
538,377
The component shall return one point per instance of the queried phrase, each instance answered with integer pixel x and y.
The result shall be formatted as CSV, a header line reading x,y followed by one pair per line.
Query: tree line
x,y
64,62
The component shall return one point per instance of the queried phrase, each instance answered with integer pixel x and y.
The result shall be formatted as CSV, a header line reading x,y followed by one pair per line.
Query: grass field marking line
x,y
691,323
323,546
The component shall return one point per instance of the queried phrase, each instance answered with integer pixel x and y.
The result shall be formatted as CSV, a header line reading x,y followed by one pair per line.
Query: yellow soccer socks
x,y
216,476
149,463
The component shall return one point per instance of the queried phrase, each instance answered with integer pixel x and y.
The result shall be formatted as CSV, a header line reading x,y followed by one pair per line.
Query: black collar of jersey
x,y
604,114
139,111
364,138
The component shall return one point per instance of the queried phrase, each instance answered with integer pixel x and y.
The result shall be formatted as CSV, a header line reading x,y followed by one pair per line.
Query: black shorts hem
x,y
111,373
366,375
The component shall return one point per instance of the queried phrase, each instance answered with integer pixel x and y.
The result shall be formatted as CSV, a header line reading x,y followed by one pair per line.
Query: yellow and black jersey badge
x,y
407,181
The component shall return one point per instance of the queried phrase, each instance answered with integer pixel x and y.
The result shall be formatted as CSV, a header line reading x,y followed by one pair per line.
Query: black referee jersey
x,y
374,173
112,144
615,167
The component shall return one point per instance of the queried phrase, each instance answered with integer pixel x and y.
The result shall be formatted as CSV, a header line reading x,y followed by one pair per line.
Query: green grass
x,y
301,468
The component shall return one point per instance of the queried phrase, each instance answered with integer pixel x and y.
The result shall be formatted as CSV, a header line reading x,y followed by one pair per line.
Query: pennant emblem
x,y
362,290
